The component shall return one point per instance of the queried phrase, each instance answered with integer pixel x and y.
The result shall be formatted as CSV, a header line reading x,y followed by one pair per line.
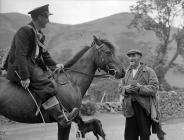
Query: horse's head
x,y
106,59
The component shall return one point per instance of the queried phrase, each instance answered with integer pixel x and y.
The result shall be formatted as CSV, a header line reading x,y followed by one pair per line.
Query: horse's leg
x,y
63,132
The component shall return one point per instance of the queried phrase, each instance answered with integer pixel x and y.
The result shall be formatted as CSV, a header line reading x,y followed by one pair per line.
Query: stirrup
x,y
69,116
66,118
73,114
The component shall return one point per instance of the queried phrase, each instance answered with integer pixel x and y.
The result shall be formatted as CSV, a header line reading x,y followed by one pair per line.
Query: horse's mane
x,y
76,57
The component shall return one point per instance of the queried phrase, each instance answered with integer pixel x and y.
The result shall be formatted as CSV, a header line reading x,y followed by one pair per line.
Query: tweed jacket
x,y
21,57
149,86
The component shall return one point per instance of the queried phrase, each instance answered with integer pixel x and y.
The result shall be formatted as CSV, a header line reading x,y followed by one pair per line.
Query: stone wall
x,y
171,105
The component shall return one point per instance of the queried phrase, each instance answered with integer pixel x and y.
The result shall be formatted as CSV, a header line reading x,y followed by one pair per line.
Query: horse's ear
x,y
96,40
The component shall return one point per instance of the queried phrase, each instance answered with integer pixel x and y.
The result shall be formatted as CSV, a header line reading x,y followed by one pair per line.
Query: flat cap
x,y
134,51
40,10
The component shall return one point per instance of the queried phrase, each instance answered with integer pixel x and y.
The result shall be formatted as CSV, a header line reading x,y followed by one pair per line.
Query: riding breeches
x,y
41,85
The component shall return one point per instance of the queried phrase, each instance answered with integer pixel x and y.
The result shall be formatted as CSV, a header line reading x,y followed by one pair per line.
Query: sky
x,y
69,11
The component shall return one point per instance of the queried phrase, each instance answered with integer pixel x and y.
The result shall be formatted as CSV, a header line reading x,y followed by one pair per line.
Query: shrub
x,y
88,108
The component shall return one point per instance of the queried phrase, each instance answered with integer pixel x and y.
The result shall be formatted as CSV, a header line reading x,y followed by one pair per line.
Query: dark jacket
x,y
146,96
21,57
148,79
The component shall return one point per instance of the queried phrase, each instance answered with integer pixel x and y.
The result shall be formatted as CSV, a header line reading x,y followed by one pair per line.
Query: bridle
x,y
100,61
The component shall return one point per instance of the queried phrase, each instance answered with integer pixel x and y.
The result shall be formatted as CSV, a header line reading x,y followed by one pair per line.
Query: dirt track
x,y
113,125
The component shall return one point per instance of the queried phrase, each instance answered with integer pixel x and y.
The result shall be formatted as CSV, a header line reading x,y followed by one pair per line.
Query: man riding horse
x,y
28,63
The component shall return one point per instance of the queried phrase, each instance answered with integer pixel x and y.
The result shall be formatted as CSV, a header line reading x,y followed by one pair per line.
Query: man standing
x,y
138,87
28,62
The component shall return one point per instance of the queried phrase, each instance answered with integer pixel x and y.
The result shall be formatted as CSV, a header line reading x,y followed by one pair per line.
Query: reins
x,y
89,75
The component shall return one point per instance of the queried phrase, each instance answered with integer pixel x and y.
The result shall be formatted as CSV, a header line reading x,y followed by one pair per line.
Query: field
x,y
113,125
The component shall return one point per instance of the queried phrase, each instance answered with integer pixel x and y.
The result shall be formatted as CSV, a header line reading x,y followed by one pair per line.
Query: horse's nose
x,y
120,74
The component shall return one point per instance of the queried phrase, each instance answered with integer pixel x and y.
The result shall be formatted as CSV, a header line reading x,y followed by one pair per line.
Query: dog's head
x,y
78,120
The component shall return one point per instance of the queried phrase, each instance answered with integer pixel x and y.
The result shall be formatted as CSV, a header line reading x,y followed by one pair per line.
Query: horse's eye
x,y
108,52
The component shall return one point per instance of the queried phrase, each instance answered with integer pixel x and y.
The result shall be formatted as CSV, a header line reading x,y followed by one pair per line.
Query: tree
x,y
159,16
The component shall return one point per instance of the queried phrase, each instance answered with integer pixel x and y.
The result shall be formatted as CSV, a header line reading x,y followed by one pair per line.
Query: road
x,y
113,125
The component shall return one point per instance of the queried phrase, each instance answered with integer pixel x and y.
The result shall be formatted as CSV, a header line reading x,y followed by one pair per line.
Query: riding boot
x,y
62,118
53,108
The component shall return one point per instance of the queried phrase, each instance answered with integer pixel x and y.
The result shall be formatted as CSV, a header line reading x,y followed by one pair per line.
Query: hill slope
x,y
73,37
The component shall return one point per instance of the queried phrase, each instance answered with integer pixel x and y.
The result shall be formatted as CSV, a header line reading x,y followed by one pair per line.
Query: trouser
x,y
41,84
138,125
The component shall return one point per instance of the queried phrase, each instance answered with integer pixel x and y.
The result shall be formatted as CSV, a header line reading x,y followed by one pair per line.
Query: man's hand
x,y
128,89
131,89
60,66
138,85
25,83
3,72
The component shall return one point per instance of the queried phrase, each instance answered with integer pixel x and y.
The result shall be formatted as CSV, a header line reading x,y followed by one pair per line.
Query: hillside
x,y
63,38
73,37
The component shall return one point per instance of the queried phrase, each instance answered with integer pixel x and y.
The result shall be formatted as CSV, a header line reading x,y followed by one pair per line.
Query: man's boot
x,y
61,117
54,110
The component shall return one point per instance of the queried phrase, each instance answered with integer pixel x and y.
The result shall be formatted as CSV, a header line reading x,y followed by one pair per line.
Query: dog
x,y
93,125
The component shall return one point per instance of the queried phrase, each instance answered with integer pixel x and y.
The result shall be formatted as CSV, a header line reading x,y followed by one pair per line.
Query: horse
x,y
19,106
